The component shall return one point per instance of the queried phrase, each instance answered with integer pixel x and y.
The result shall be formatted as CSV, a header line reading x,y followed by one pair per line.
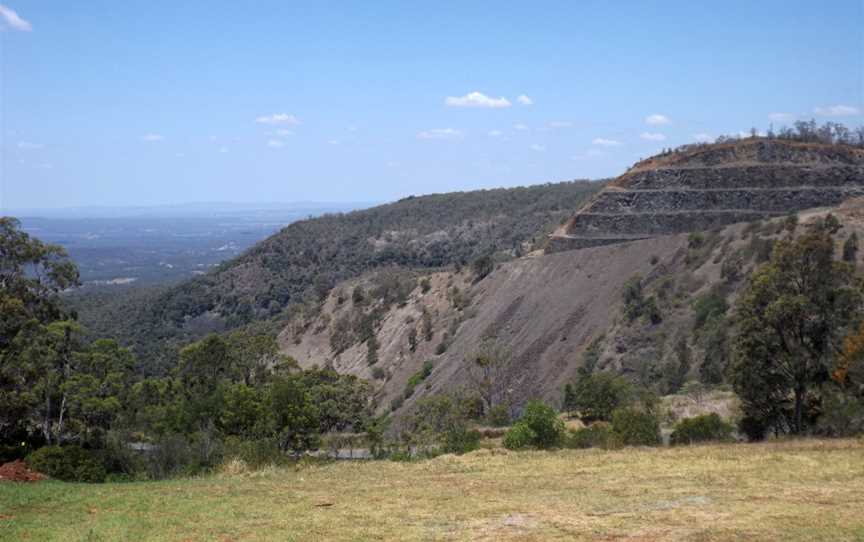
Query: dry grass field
x,y
792,490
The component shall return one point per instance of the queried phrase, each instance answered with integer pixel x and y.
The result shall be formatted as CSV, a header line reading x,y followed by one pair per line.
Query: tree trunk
x,y
797,425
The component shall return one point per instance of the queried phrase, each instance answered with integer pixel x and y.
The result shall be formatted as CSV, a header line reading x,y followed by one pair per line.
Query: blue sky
x,y
143,103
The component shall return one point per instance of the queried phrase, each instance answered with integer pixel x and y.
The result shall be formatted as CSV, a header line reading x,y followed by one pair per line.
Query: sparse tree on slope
x,y
792,318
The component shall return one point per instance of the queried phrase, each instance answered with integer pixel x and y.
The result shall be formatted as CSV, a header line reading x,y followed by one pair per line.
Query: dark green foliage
x,y
636,305
850,248
358,295
633,299
67,463
538,427
498,416
596,435
302,261
842,413
378,373
440,422
706,428
596,396
708,305
677,369
482,266
695,240
372,350
714,339
792,318
636,427
417,378
425,285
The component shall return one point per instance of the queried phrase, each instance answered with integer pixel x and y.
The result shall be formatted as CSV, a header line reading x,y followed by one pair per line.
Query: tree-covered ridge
x,y
304,260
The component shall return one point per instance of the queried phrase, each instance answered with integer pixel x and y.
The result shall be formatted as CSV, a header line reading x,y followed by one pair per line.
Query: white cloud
x,y
44,166
13,20
441,133
495,133
703,138
837,111
537,147
334,142
652,136
744,135
29,146
603,142
519,127
780,117
179,155
524,100
657,119
477,99
223,150
590,153
284,133
275,144
560,124
152,137
278,118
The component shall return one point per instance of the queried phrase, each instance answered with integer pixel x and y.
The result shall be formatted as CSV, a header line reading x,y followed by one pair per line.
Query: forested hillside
x,y
300,264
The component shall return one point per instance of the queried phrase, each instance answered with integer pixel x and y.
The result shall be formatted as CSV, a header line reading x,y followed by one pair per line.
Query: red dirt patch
x,y
18,471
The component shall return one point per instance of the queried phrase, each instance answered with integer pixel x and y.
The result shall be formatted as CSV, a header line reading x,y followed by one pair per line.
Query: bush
x,y
596,435
67,463
460,440
754,428
596,396
539,424
706,428
254,453
635,427
519,437
498,416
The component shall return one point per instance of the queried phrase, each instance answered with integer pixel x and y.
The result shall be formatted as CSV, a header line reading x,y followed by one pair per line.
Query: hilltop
x,y
700,187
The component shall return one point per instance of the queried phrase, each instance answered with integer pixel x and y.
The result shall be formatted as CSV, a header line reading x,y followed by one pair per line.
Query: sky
x,y
165,102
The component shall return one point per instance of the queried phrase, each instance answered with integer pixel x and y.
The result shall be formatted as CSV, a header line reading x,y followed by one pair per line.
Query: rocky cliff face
x,y
710,186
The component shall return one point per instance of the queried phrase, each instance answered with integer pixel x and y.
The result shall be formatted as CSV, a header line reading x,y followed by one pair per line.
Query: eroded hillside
x,y
556,313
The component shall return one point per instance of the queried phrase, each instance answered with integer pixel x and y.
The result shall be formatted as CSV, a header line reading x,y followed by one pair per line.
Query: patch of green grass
x,y
790,490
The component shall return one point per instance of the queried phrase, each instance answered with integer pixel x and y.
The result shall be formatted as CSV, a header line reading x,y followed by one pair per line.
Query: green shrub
x,y
67,463
596,435
460,440
539,424
635,427
706,428
596,396
519,437
498,416
255,453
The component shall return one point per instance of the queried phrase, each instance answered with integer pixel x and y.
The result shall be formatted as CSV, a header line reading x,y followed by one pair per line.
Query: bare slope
x,y
547,310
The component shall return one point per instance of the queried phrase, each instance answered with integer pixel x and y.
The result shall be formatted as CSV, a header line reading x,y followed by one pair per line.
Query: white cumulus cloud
x,y
519,127
780,117
652,136
536,147
837,111
524,100
441,133
13,20
29,145
278,118
495,133
703,138
477,99
657,119
275,143
560,124
152,137
603,142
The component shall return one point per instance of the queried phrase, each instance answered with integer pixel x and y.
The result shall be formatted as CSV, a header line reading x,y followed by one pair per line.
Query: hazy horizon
x,y
122,105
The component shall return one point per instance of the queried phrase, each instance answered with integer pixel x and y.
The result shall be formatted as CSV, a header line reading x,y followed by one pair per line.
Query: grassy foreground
x,y
796,490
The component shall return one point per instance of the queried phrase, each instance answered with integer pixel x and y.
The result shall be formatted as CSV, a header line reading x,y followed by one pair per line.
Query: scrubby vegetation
x,y
292,270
